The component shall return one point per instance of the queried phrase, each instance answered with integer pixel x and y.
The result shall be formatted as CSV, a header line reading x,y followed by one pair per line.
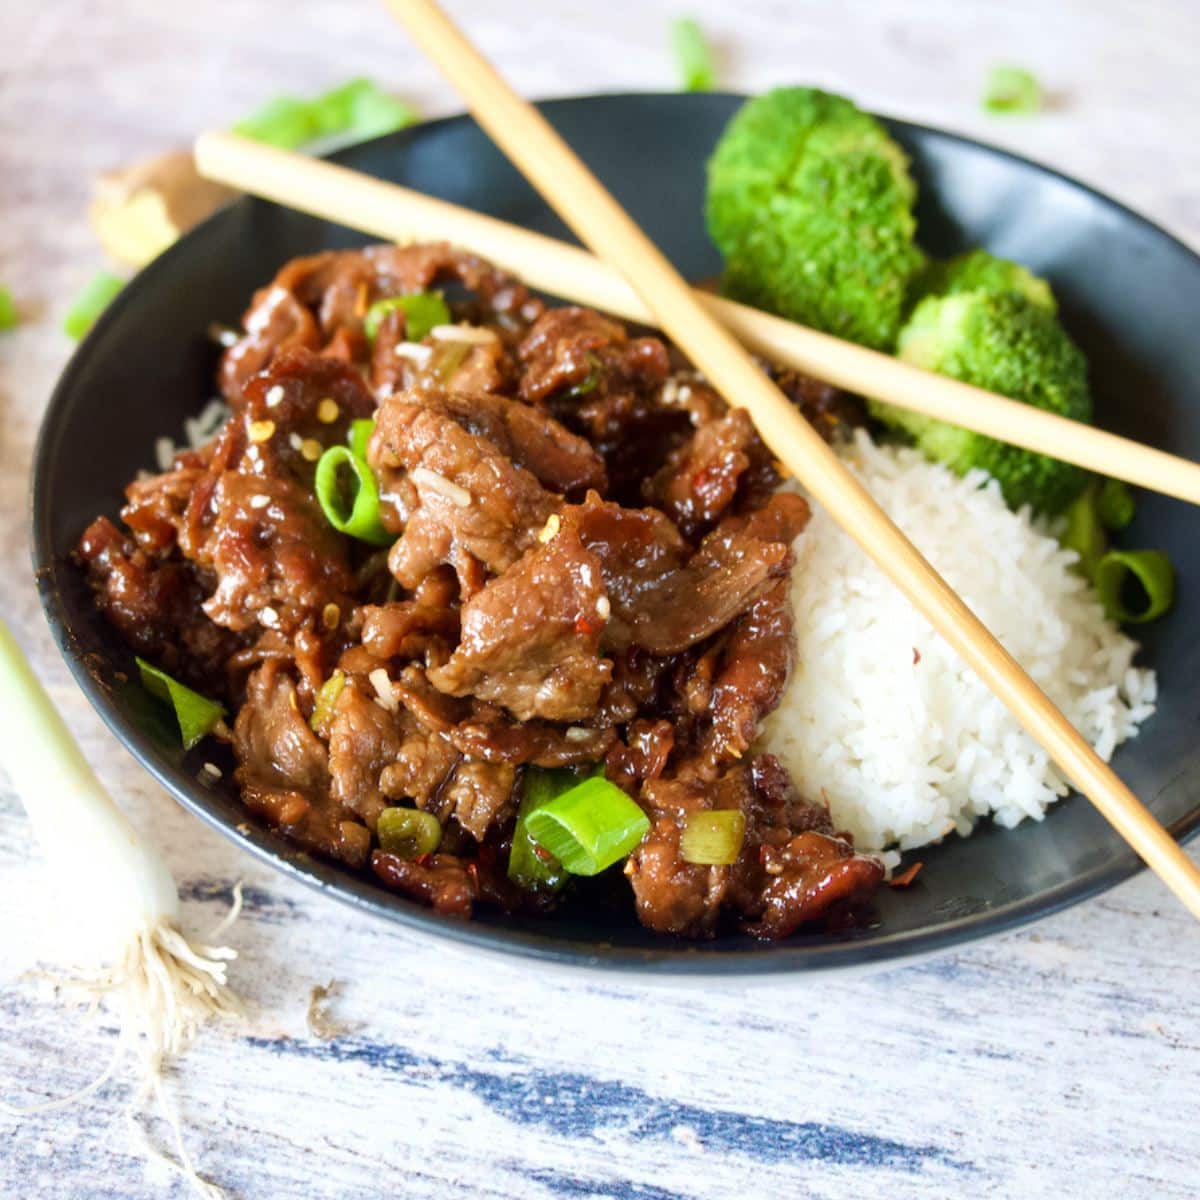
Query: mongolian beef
x,y
546,592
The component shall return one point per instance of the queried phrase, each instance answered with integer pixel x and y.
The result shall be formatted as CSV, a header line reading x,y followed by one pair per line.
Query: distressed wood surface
x,y
1060,1061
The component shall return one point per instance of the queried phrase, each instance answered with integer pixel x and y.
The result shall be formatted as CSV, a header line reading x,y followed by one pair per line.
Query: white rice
x,y
885,721
196,431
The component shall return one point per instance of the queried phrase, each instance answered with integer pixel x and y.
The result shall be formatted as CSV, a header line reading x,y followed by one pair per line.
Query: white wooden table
x,y
1061,1061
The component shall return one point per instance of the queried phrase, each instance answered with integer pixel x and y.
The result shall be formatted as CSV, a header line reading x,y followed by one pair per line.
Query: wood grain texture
x,y
1061,1061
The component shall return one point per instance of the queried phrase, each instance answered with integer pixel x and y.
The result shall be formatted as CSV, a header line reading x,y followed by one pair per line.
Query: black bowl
x,y
1129,293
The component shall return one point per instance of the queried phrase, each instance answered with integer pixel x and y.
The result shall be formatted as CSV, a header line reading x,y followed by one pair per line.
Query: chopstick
x,y
583,203
399,214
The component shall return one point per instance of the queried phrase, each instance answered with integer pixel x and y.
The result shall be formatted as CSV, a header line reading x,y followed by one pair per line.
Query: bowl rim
x,y
675,960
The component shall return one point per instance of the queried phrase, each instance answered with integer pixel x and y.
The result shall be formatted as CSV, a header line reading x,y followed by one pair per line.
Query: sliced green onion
x,y
196,714
408,832
91,302
359,435
286,121
326,700
530,866
1122,572
8,309
422,311
362,108
353,509
1083,533
693,56
1115,504
589,827
1012,90
589,380
713,838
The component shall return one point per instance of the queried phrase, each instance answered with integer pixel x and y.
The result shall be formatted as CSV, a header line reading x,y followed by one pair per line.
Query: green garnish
x,y
590,380
359,435
713,838
422,311
359,109
91,302
1115,504
529,865
351,507
408,832
1012,90
1084,532
196,714
693,56
589,827
326,700
1135,586
8,309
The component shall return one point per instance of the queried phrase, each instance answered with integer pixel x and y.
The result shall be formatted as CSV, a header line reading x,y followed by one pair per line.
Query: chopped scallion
x,y
1115,504
713,838
91,302
359,435
693,56
408,832
1012,90
352,507
1083,533
530,866
422,311
589,827
1135,586
286,122
326,700
196,714
362,108
8,309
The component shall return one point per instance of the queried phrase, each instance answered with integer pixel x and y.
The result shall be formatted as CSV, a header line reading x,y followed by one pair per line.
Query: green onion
x,y
1084,533
589,380
359,435
1115,504
286,122
1149,572
589,827
362,108
713,838
1012,90
422,311
91,302
693,56
326,700
196,714
529,865
408,832
8,309
354,512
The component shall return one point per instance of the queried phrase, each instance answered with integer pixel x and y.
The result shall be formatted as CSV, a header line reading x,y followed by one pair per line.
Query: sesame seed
x,y
268,617
261,431
328,411
259,500
603,608
550,529
415,352
423,476
384,692
330,616
577,733
212,769
295,441
311,449
274,395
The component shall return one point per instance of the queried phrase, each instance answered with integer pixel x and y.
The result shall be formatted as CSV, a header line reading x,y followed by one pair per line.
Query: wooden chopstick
x,y
398,214
584,204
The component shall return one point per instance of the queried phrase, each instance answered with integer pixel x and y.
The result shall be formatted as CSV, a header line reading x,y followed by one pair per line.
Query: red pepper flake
x,y
584,627
905,878
916,656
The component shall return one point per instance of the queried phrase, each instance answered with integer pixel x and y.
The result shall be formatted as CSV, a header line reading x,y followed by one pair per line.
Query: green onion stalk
x,y
123,903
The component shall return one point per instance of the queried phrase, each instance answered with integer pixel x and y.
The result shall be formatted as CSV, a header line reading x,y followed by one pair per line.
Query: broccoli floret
x,y
810,201
1004,342
979,271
